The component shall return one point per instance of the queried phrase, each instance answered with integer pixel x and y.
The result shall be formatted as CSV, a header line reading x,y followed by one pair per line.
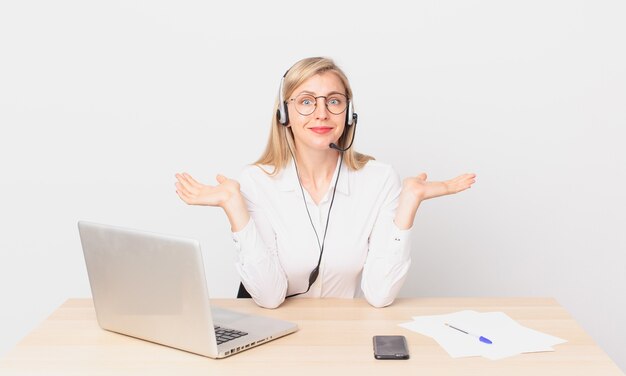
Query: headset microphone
x,y
355,118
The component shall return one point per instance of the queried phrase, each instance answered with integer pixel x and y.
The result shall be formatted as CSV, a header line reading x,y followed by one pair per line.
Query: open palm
x,y
195,193
421,189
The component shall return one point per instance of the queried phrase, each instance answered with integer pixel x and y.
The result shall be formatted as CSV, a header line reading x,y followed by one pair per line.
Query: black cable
x,y
315,273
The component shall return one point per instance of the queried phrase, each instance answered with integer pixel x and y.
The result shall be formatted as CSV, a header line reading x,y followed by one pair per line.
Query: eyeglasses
x,y
306,104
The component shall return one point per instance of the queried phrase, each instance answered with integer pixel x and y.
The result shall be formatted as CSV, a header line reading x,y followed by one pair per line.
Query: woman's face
x,y
321,128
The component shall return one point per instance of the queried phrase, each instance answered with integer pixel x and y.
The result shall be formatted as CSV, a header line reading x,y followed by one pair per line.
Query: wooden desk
x,y
335,338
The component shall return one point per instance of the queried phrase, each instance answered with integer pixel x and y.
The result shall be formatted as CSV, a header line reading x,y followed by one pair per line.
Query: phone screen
x,y
390,347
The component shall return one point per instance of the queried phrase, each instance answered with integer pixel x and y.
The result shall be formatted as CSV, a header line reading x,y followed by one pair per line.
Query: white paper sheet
x,y
508,337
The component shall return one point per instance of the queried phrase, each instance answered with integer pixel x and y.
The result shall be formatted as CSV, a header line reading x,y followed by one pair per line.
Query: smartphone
x,y
390,347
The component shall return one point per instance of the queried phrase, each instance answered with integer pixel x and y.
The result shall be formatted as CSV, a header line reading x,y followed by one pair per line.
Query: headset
x,y
283,114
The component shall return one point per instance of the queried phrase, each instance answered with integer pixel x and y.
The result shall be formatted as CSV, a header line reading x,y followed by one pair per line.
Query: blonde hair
x,y
277,152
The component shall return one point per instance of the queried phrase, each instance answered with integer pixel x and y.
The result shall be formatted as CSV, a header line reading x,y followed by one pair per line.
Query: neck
x,y
317,168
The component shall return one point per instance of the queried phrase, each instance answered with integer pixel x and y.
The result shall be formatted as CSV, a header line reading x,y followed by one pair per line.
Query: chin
x,y
321,145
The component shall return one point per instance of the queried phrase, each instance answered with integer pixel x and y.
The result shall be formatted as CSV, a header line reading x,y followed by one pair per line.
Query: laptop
x,y
153,287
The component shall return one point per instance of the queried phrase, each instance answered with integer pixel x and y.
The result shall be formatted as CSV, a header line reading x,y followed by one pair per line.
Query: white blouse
x,y
365,254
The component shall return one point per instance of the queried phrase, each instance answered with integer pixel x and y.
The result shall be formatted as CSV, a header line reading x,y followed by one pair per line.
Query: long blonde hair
x,y
277,152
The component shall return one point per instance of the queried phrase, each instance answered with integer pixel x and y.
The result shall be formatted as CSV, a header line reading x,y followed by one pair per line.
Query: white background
x,y
102,102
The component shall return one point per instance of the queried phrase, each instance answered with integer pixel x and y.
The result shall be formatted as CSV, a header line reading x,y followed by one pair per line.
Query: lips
x,y
321,130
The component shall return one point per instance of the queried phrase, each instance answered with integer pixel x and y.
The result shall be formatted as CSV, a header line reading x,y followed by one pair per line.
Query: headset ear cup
x,y
349,115
282,114
285,114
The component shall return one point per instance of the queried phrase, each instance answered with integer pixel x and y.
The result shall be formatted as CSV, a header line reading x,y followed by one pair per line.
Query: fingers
x,y
183,183
461,182
187,188
465,177
183,194
422,176
182,178
469,179
191,180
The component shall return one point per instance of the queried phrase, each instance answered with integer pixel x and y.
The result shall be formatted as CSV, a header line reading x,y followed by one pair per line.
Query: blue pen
x,y
480,338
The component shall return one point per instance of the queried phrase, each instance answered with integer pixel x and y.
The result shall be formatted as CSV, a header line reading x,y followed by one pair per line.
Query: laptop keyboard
x,y
224,335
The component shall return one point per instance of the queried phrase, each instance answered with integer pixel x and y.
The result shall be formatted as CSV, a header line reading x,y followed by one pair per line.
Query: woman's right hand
x,y
195,193
226,194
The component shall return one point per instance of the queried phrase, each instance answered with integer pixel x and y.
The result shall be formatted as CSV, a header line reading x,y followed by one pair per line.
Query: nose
x,y
321,112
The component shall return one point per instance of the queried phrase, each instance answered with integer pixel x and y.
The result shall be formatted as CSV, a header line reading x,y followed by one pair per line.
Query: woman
x,y
312,217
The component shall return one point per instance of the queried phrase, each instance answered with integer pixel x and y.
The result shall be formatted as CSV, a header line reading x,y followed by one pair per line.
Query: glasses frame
x,y
325,103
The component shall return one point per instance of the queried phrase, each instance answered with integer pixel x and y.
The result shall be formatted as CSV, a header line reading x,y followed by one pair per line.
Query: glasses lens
x,y
305,104
336,103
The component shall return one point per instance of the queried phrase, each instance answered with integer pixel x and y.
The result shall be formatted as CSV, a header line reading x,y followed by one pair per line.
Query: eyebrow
x,y
315,94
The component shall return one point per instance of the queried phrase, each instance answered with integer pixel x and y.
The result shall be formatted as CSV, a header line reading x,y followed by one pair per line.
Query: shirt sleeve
x,y
257,258
389,254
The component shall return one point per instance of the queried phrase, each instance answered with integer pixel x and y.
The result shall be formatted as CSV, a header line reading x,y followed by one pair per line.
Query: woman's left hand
x,y
419,189
416,189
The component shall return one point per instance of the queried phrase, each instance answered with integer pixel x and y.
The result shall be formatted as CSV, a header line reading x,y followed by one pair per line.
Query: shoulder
x,y
253,177
377,170
256,171
376,178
